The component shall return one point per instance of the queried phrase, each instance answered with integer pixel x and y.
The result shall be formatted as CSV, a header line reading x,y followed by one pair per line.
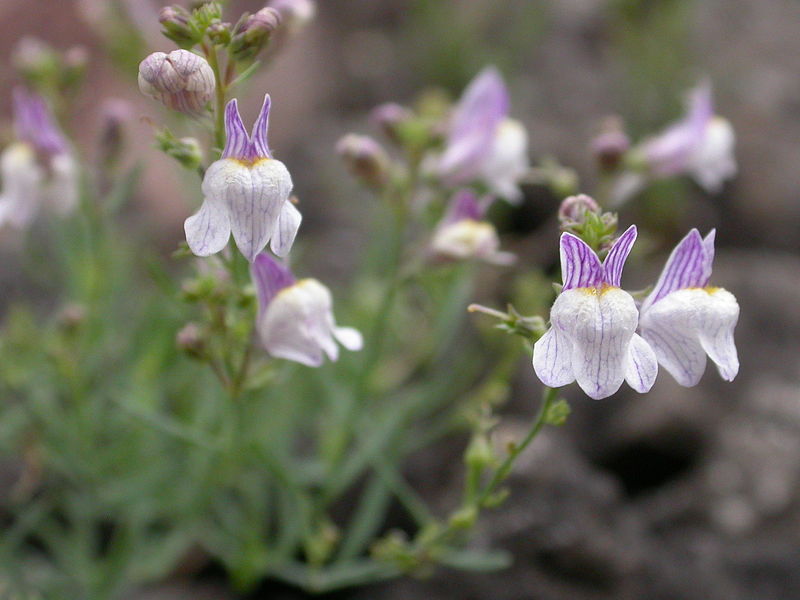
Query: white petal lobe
x,y
552,359
641,366
208,231
286,230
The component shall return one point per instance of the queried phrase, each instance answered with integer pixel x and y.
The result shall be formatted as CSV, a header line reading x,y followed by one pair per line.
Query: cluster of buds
x,y
583,217
45,68
252,32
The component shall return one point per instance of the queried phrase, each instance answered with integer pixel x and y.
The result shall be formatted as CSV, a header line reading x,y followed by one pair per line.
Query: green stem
x,y
220,91
504,469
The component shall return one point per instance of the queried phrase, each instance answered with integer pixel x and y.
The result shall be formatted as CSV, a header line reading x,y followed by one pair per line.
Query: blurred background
x,y
679,494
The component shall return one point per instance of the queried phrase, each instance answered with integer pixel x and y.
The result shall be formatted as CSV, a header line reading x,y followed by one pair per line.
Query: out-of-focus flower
x,y
246,192
592,338
295,14
253,32
295,318
365,158
463,234
389,117
181,80
483,144
684,320
610,145
701,144
38,169
573,209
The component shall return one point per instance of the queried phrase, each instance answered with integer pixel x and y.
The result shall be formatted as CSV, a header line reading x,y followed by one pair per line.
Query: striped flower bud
x,y
181,80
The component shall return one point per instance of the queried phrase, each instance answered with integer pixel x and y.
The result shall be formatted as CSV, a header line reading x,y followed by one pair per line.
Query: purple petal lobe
x,y
476,117
580,267
237,143
270,277
35,124
615,261
689,266
464,205
259,136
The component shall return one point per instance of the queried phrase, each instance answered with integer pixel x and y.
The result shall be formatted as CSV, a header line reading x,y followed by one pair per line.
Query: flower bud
x,y
71,317
176,21
252,32
219,33
365,158
389,118
573,209
181,80
190,340
295,14
115,113
611,144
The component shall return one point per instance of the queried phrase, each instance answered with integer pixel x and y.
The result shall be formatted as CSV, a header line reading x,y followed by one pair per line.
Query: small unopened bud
x,y
390,118
176,21
71,317
365,158
573,209
219,33
190,339
181,80
187,151
115,113
252,32
479,454
295,14
611,144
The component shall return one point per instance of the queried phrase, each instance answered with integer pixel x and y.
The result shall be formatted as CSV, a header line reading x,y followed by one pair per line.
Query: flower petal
x,y
642,366
286,229
580,267
22,186
270,277
670,327
615,260
475,119
237,142
712,162
258,138
254,197
687,266
716,331
349,337
208,230
507,162
600,325
552,359
286,327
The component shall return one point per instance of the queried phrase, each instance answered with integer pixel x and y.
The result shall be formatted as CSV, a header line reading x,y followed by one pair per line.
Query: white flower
x,y
684,320
38,170
592,338
295,319
463,234
246,192
701,144
483,144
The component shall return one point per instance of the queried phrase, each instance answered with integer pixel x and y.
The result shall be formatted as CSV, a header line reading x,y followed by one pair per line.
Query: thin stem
x,y
504,469
220,91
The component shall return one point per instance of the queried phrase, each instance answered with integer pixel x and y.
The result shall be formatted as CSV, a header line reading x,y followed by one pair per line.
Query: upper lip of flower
x,y
581,268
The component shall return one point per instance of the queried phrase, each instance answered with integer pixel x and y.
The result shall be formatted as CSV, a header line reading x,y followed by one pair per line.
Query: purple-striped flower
x,y
295,318
483,144
701,144
246,192
592,338
38,169
684,320
464,234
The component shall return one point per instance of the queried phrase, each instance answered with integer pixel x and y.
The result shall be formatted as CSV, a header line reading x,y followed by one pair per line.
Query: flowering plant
x,y
230,419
